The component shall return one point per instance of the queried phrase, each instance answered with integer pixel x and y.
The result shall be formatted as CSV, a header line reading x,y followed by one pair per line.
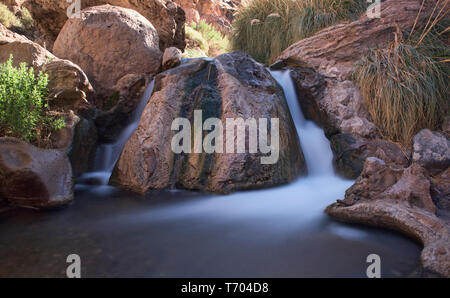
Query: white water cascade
x,y
108,154
315,145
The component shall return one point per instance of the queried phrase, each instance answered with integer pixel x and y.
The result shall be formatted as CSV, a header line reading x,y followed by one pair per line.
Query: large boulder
x,y
167,17
230,86
431,149
34,177
398,198
109,42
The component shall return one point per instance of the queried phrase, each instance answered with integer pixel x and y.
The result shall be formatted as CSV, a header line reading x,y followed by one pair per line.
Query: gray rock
x,y
431,149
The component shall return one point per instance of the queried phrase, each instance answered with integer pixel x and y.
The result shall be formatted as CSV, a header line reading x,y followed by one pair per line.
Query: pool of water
x,y
277,232
280,232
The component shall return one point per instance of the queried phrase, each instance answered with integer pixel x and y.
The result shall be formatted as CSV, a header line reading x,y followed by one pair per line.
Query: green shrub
x,y
264,28
197,36
7,17
405,86
209,40
23,103
207,30
26,18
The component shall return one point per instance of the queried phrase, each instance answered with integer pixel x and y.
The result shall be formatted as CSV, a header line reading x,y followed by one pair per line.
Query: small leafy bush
x,y
24,111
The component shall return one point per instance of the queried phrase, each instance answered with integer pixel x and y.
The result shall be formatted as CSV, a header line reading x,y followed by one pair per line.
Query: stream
x,y
277,232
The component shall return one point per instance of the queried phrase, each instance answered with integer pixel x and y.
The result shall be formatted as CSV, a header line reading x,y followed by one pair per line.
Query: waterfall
x,y
315,146
107,155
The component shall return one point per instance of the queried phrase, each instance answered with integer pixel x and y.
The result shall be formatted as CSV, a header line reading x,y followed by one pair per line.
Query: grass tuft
x,y
22,20
405,86
264,28
8,18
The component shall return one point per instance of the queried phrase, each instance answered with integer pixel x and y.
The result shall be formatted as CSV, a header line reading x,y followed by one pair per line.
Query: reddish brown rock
x,y
350,152
69,89
230,86
167,17
100,42
171,58
334,50
334,104
34,177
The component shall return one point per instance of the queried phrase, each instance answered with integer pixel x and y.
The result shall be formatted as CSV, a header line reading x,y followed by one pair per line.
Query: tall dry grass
x,y
405,86
264,28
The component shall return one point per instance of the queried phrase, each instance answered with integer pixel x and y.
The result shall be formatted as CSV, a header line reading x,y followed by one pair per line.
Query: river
x,y
277,232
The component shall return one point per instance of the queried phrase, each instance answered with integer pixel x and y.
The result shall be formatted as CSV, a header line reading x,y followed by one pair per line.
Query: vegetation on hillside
x,y
204,40
24,111
264,28
405,86
22,20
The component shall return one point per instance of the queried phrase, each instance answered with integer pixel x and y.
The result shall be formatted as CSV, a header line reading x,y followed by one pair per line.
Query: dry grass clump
x,y
405,86
264,28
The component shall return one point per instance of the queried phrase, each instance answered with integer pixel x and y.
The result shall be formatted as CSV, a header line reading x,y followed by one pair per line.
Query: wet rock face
x,y
230,86
336,105
100,42
350,153
33,177
167,17
431,149
82,149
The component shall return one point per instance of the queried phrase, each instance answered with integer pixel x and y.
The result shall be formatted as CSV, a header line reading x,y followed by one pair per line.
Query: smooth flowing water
x,y
108,154
277,232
